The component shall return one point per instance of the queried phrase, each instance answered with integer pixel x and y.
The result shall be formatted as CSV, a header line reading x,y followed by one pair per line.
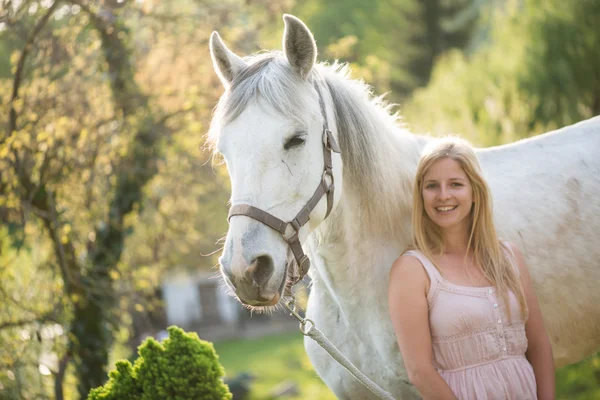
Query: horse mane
x,y
379,156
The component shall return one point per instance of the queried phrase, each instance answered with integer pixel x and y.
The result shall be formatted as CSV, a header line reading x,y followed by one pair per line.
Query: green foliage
x,y
391,44
373,36
28,331
538,73
182,367
102,168
580,381
562,61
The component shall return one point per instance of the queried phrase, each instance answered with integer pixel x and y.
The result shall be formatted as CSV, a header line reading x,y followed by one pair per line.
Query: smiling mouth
x,y
445,209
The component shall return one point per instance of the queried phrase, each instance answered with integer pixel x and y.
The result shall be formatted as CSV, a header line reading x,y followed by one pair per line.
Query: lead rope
x,y
308,328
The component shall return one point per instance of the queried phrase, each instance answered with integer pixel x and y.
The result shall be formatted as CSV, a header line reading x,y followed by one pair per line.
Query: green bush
x,y
182,367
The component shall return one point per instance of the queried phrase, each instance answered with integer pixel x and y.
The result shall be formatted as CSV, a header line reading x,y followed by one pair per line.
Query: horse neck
x,y
366,232
378,205
371,224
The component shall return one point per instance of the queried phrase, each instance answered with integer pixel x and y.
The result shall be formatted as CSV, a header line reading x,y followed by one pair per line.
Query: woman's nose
x,y
444,193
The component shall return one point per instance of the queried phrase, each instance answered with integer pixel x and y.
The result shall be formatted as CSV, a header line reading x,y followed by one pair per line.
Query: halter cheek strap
x,y
290,230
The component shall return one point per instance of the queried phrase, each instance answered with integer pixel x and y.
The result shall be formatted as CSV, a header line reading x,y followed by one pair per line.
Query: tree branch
x,y
13,324
60,375
12,121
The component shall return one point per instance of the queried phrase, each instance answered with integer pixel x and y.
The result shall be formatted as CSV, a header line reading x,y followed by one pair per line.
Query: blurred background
x,y
112,214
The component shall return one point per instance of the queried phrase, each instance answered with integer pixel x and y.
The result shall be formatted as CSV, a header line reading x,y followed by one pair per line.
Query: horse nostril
x,y
261,270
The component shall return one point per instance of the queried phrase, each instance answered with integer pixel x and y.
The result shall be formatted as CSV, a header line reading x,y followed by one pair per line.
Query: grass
x,y
281,358
273,360
579,381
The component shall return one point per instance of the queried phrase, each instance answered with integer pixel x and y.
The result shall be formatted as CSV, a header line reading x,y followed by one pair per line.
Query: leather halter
x,y
290,230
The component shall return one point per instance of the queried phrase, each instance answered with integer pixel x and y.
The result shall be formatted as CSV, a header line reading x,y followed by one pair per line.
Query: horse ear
x,y
227,64
299,45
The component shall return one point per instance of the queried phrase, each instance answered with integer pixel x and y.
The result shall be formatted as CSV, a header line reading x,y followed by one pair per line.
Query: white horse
x,y
268,127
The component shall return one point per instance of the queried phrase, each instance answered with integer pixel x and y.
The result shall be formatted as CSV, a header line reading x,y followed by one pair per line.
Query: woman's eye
x,y
430,186
294,142
456,184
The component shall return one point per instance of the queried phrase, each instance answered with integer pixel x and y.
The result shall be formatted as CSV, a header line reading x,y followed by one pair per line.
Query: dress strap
x,y
427,264
435,277
512,259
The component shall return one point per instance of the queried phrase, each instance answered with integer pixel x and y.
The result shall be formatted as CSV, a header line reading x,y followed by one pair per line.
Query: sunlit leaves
x,y
535,75
73,145
562,60
28,291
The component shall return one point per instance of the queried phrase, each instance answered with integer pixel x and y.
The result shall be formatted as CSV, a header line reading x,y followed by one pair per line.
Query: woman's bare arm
x,y
539,350
409,311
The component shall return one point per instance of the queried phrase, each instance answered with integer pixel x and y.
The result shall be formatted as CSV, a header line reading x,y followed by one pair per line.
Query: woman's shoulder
x,y
408,260
408,266
409,271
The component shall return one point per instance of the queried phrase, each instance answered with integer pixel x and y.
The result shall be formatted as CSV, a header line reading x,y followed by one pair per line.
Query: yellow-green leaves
x,y
182,367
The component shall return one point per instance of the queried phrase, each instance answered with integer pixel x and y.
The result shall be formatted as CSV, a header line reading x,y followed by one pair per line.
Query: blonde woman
x,y
461,301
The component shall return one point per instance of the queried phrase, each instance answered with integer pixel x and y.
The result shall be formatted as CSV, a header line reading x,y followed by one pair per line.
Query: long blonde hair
x,y
483,241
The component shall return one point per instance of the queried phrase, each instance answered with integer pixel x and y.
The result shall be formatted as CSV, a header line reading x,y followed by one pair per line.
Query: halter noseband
x,y
290,230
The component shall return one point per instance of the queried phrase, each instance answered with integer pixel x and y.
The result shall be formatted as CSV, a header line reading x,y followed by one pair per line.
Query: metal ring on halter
x,y
329,174
291,306
292,224
303,326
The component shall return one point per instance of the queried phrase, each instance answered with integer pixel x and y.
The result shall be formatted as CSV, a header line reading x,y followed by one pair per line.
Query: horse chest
x,y
361,342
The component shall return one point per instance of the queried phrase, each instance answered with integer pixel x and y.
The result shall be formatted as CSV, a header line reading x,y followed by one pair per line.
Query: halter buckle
x,y
327,173
329,141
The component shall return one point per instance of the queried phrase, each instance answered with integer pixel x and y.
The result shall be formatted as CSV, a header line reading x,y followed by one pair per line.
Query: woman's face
x,y
447,194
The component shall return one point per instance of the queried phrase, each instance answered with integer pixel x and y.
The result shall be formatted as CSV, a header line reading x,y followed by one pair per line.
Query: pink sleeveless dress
x,y
476,349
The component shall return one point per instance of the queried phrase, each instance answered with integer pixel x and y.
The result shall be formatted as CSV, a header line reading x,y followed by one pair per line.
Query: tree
x,y
445,25
81,140
104,183
538,72
391,44
88,282
562,62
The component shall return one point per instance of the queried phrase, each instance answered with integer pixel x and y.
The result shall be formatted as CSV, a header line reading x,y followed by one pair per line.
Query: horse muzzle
x,y
256,284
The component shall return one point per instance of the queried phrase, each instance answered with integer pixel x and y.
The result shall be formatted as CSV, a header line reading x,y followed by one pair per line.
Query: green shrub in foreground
x,y
182,367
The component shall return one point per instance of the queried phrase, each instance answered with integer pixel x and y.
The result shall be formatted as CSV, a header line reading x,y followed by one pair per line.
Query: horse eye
x,y
294,142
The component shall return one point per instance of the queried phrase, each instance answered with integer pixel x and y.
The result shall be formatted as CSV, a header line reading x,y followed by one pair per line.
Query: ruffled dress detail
x,y
476,349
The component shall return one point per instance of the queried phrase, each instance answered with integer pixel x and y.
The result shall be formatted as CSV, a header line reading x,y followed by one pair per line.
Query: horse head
x,y
272,128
